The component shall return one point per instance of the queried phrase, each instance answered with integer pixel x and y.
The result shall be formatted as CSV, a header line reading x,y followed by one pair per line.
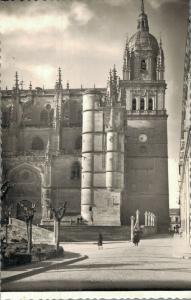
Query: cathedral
x,y
104,151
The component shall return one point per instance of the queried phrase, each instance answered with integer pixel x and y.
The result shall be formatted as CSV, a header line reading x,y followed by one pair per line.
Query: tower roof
x,y
142,39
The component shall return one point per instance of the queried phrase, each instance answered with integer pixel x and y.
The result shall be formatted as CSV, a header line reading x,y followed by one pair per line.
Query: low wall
x,y
17,230
148,230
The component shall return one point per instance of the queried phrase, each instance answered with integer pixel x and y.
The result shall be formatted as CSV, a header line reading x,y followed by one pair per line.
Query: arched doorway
x,y
26,189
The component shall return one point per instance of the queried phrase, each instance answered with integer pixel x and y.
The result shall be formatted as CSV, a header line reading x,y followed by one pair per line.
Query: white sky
x,y
86,38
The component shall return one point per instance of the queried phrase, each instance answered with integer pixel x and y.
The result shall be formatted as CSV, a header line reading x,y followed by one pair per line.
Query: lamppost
x,y
58,215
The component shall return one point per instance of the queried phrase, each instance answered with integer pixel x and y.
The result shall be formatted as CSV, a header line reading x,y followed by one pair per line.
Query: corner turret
x,y
160,62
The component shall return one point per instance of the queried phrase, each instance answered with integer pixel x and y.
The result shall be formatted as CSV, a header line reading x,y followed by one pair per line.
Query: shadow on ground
x,y
77,285
37,268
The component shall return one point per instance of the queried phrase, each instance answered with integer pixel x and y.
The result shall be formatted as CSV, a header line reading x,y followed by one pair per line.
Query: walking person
x,y
100,241
136,238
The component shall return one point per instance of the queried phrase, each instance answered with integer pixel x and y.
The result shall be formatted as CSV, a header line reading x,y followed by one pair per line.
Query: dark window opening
x,y
48,107
5,118
143,65
142,104
134,104
75,171
37,144
150,104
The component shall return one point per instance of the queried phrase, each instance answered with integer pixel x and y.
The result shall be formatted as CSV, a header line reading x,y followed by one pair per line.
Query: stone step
x,y
82,233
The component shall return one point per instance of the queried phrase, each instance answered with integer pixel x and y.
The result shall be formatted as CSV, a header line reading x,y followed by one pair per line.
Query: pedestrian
x,y
100,241
136,238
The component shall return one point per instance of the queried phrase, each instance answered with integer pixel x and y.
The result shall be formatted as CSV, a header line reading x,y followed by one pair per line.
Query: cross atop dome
x,y
143,20
142,6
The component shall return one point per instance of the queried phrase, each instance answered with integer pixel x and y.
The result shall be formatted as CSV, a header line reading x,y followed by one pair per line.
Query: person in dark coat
x,y
136,238
100,241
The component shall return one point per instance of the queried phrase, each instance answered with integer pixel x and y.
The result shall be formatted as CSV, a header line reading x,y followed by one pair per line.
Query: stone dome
x,y
143,40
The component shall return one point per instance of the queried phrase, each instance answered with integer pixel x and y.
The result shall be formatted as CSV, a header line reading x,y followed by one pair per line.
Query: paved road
x,y
119,266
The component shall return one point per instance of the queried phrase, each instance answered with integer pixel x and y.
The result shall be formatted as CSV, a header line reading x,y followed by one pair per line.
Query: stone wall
x,y
146,177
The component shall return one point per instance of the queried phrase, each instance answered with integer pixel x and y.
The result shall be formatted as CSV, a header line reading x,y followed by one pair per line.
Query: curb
x,y
42,269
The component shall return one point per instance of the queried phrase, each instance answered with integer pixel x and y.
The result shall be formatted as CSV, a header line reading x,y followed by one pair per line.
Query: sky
x,y
86,38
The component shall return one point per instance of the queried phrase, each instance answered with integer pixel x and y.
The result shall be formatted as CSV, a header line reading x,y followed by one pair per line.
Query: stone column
x,y
155,221
152,220
132,226
137,219
147,101
149,218
46,191
88,131
146,218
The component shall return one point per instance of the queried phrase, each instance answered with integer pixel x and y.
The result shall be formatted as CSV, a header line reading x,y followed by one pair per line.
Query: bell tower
x,y
146,156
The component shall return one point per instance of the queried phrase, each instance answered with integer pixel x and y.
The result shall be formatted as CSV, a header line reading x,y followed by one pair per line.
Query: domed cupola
x,y
143,51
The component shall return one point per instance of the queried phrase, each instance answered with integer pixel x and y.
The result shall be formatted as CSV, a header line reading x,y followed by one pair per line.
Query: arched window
x,y
134,104
78,143
44,116
143,65
150,104
37,144
142,104
48,107
75,170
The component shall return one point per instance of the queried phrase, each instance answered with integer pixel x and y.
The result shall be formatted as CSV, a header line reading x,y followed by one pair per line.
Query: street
x,y
119,266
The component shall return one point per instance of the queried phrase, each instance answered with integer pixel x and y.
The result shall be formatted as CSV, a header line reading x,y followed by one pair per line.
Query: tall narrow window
x,y
134,104
37,144
150,104
143,65
142,104
75,170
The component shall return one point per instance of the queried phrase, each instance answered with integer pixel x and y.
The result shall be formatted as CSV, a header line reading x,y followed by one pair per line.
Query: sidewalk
x,y
180,247
23,271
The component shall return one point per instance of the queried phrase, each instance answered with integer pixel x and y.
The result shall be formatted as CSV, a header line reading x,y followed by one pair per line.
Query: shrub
x,y
60,251
15,259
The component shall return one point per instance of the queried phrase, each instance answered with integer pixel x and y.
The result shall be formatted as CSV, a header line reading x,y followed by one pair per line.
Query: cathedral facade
x,y
104,151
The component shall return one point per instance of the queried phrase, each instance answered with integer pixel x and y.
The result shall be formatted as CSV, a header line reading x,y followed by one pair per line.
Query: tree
x,y
29,214
4,189
58,215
